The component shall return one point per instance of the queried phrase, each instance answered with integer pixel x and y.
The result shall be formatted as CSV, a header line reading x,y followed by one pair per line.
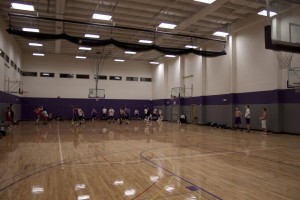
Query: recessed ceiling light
x,y
35,30
81,57
154,63
45,74
102,17
119,60
145,41
35,44
265,13
170,56
191,47
85,48
91,36
20,6
38,54
166,25
206,1
220,33
130,52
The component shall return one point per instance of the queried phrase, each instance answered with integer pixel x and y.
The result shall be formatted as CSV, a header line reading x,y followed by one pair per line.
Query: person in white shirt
x,y
111,115
247,118
104,113
263,119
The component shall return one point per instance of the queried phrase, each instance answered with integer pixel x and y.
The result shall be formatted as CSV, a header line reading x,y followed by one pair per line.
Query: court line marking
x,y
59,144
149,161
154,183
163,169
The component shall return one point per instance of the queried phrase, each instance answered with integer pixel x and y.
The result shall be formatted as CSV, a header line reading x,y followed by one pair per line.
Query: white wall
x,y
192,73
79,88
256,66
159,86
8,45
174,73
216,79
247,67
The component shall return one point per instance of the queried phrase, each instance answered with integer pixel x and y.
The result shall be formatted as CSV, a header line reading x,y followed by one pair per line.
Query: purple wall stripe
x,y
63,106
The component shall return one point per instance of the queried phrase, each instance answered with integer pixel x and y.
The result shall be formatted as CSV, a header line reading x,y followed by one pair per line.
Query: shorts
x,y
238,120
263,123
247,120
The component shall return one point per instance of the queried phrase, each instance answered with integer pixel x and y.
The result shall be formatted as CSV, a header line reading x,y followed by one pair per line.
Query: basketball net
x,y
284,59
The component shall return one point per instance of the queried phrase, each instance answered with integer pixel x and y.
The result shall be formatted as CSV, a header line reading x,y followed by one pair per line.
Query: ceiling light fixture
x,y
206,1
35,30
145,41
80,57
220,33
170,56
38,54
265,13
20,6
191,47
130,52
35,44
85,48
119,60
102,17
91,36
167,25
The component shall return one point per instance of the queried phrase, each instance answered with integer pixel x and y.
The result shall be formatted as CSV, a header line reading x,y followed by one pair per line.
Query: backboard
x,y
283,34
96,93
293,77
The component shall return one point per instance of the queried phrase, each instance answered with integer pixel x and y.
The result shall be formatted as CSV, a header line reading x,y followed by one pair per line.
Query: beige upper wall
x,y
9,46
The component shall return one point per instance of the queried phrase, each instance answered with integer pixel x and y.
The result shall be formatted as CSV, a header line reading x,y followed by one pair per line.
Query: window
x,y
83,76
12,63
18,69
115,78
101,77
15,66
132,79
29,73
46,74
145,79
7,58
66,75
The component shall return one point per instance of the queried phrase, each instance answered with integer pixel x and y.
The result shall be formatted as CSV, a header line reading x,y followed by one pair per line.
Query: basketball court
x,y
153,62
163,161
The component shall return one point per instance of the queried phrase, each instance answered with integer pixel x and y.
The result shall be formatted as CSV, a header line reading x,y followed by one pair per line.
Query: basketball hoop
x,y
284,59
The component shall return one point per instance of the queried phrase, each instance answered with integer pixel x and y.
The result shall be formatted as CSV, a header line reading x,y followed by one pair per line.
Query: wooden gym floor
x,y
164,161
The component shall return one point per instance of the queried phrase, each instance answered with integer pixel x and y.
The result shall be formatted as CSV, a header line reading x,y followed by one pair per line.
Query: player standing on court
x,y
263,119
104,113
237,120
111,115
247,118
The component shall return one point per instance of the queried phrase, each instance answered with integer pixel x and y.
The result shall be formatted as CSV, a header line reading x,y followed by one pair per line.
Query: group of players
x,y
125,116
41,113
238,121
109,115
